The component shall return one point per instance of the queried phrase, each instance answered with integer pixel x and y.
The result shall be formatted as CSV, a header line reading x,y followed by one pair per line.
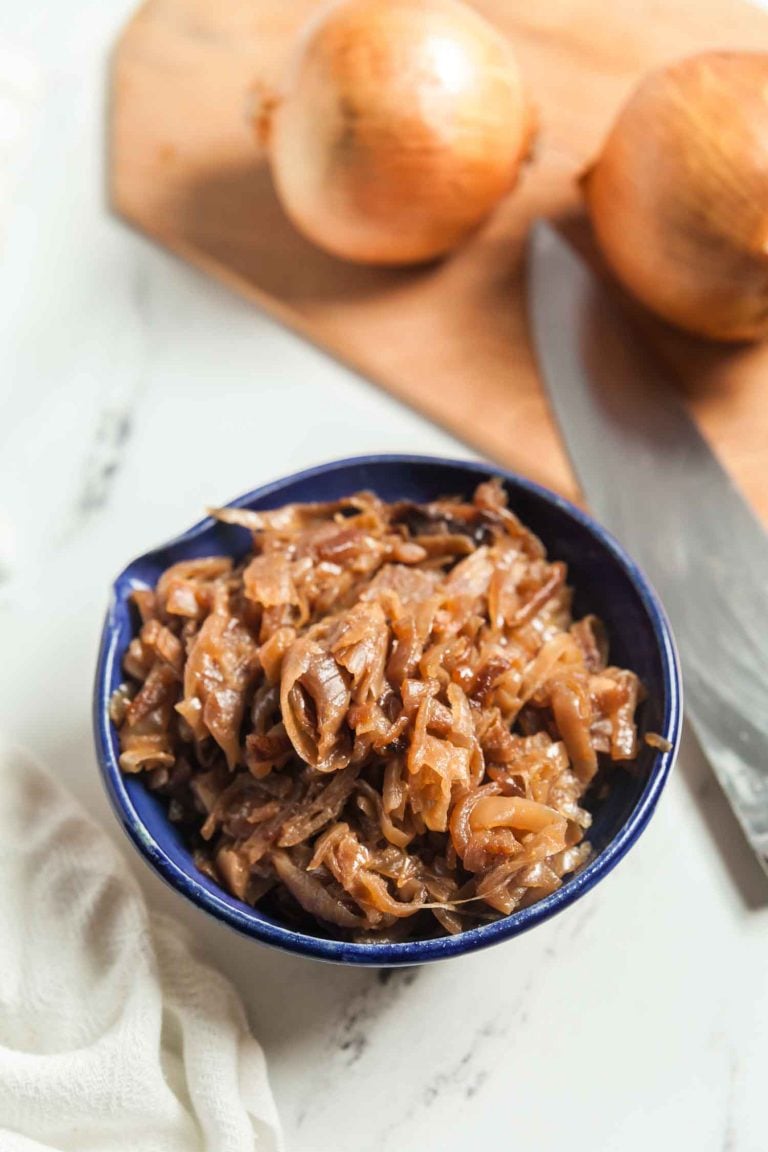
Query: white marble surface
x,y
134,392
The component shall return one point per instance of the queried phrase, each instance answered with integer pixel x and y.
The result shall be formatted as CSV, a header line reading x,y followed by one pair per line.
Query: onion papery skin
x,y
678,197
399,127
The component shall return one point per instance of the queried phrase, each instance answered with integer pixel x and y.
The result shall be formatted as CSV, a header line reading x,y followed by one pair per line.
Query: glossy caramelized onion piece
x,y
383,721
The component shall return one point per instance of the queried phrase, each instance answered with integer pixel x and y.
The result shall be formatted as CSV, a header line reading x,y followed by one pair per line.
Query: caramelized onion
x,y
513,812
373,747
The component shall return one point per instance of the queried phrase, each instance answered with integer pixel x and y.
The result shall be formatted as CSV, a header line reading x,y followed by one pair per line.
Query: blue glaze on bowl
x,y
606,582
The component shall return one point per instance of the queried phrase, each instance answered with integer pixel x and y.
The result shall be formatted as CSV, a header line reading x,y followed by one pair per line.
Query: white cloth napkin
x,y
113,1033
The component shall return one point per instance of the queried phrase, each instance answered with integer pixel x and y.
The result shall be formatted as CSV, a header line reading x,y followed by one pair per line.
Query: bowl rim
x,y
237,914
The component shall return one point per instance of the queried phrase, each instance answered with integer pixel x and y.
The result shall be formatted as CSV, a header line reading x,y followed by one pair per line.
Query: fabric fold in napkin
x,y
113,1034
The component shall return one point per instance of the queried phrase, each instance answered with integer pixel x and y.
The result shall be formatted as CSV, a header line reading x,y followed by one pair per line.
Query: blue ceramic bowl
x,y
606,582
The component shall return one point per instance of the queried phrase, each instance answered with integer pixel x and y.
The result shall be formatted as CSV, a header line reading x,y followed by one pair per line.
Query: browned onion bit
x,y
381,723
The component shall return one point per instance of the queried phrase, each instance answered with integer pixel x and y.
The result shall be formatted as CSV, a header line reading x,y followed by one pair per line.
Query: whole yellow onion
x,y
399,126
679,195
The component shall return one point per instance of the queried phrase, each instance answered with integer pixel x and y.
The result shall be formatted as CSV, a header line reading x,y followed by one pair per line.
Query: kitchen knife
x,y
650,477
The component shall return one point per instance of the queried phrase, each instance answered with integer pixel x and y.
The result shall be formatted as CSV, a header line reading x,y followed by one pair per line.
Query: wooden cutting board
x,y
449,339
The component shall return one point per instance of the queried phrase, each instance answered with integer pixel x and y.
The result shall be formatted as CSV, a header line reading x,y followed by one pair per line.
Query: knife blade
x,y
651,478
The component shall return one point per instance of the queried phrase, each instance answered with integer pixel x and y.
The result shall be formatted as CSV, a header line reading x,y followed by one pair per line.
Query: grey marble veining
x,y
119,397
